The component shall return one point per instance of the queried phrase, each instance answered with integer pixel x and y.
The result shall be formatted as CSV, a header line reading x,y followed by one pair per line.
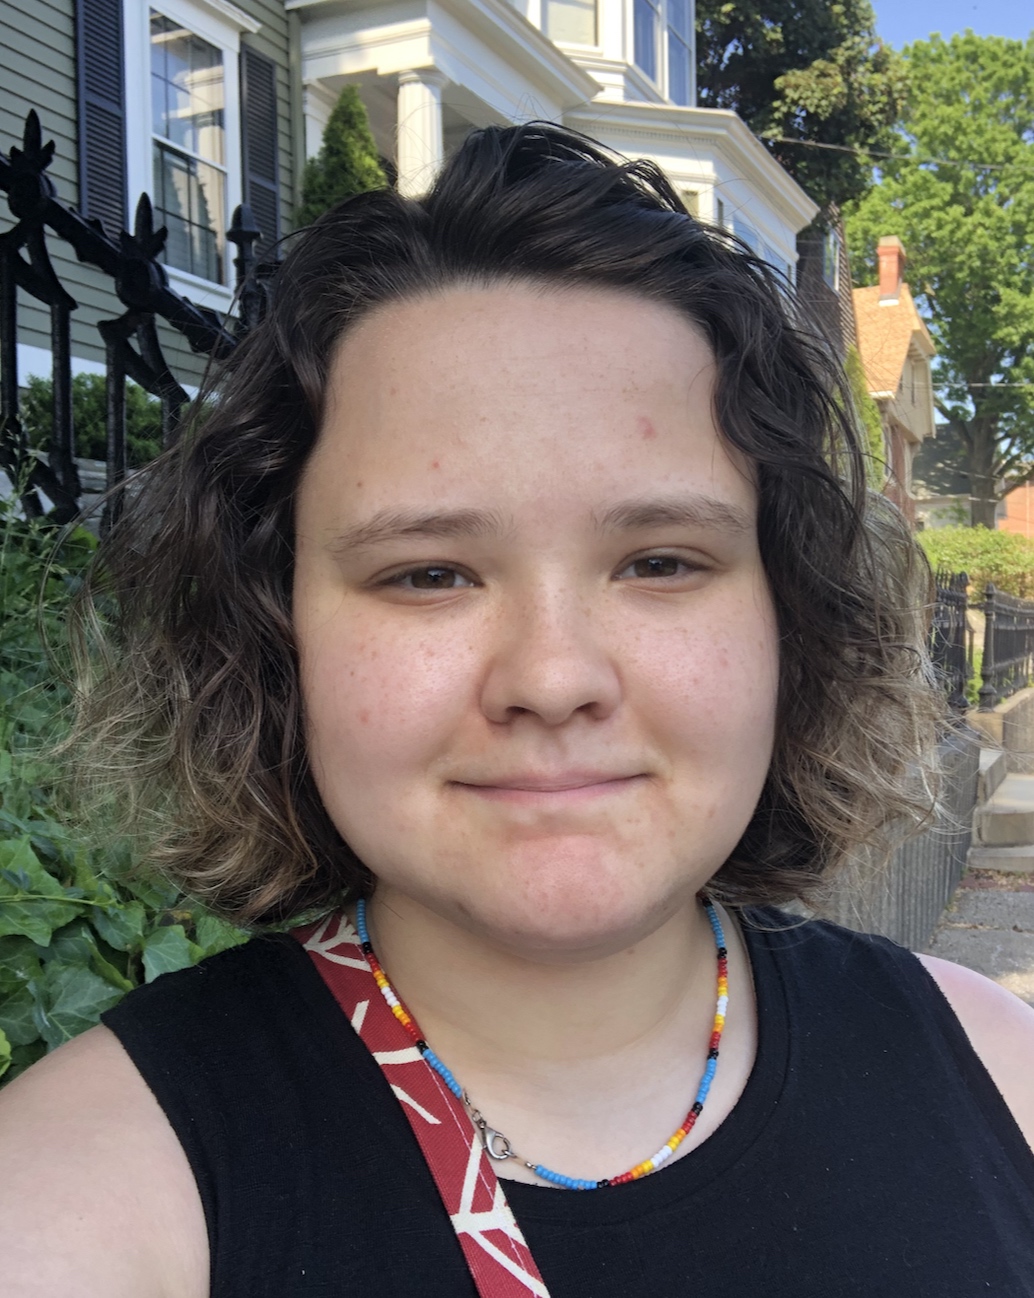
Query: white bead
x,y
723,1004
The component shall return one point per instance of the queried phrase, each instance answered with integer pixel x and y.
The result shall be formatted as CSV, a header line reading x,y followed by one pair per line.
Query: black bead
x,y
367,948
713,1053
421,1045
599,1184
697,1106
722,952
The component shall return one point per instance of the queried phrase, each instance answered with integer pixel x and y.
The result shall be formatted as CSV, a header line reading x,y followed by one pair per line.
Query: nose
x,y
551,660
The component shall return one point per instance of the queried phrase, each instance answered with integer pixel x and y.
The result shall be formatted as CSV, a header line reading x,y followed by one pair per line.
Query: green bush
x,y
1005,558
347,163
78,927
89,404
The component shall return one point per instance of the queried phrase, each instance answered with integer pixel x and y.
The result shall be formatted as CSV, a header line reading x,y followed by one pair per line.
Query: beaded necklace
x,y
496,1145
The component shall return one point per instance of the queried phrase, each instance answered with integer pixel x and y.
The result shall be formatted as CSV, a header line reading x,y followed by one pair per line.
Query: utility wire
x,y
897,157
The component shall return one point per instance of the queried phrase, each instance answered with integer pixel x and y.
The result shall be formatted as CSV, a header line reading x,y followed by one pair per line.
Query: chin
x,y
564,909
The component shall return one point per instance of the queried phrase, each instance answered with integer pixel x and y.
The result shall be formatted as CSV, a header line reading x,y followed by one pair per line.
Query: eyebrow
x,y
699,511
395,524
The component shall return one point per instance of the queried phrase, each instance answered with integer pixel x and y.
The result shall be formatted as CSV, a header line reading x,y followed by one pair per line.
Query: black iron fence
x,y
1008,658
131,342
1006,646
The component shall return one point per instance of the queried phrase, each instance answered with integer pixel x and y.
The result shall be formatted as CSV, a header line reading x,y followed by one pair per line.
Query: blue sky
x,y
902,21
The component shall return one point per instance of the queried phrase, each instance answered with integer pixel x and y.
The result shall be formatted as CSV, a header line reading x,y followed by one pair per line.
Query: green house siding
x,y
38,70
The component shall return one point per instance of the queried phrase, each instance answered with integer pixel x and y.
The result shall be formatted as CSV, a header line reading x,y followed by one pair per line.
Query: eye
x,y
432,576
659,567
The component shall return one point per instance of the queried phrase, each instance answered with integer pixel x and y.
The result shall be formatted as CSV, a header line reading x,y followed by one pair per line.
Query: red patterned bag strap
x,y
497,1255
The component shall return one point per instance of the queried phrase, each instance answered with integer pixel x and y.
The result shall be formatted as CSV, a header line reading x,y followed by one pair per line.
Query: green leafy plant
x,y
79,927
1005,558
89,403
869,412
347,163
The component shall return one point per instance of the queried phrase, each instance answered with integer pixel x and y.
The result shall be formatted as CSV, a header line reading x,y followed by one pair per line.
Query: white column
x,y
419,147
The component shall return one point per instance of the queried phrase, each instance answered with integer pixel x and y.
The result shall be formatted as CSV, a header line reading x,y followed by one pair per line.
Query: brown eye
x,y
434,577
657,565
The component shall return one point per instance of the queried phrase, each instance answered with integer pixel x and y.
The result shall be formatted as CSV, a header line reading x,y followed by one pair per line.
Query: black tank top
x,y
870,1155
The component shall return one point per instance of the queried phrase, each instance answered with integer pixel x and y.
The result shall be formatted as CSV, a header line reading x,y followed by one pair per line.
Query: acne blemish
x,y
646,429
435,464
364,717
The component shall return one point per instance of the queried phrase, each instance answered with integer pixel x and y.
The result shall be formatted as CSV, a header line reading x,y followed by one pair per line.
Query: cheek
x,y
376,704
714,685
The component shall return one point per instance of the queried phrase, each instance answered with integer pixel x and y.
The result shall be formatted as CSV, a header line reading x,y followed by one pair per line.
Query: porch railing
x,y
131,341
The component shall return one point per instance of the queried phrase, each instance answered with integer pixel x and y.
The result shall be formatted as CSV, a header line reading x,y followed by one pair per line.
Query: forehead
x,y
516,392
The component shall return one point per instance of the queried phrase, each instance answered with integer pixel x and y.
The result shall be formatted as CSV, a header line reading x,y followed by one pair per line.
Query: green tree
x,y
962,202
803,70
89,413
347,163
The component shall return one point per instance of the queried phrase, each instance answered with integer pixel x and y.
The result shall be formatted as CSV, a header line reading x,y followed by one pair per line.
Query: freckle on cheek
x,y
646,429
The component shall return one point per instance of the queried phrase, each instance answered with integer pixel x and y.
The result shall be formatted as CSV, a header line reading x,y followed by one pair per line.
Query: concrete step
x,y
1012,860
1006,819
994,767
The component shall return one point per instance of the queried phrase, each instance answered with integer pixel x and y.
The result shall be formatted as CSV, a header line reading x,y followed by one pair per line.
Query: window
x,y
680,81
831,260
573,21
188,99
647,23
662,32
189,134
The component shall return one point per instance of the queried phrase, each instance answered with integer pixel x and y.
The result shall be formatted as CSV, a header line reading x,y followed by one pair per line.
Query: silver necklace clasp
x,y
494,1143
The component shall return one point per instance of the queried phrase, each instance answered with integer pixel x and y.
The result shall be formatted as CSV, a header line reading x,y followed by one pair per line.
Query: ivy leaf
x,y
75,944
168,949
70,1000
214,934
5,1053
120,925
16,1017
46,909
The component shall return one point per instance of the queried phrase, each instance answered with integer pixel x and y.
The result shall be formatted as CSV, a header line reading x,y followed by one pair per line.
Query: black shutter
x,y
102,112
259,146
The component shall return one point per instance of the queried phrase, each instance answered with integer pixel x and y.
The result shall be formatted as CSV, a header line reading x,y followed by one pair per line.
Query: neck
x,y
490,1009
588,1066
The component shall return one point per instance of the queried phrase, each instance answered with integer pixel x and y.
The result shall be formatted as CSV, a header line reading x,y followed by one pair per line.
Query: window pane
x,y
189,200
678,18
678,69
187,88
645,36
570,20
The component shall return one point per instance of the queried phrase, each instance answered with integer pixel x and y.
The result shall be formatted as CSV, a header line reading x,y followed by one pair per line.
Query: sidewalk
x,y
989,927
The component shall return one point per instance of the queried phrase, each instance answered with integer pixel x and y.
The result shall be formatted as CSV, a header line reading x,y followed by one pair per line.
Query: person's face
x,y
538,652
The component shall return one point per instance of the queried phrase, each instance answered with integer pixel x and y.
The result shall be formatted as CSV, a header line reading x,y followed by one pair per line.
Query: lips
x,y
558,786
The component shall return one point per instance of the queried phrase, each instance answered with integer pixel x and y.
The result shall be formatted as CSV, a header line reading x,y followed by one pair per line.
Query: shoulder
x,y
1000,1028
96,1197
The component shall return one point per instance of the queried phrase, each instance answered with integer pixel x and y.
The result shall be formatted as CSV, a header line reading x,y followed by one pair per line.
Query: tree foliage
x,y
89,414
962,203
347,163
1005,558
803,70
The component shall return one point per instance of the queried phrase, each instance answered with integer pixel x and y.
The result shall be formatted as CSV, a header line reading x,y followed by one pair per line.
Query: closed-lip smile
x,y
560,786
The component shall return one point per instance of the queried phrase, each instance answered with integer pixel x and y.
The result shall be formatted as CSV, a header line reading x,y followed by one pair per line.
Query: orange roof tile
x,y
885,331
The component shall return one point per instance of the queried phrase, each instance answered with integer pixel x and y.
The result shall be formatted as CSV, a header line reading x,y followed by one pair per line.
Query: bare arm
x,y
1001,1030
96,1197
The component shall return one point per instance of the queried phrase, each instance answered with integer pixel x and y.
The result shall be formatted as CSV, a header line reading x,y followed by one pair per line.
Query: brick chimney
x,y
891,254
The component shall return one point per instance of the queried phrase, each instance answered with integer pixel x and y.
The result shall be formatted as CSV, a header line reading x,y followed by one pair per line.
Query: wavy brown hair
x,y
190,721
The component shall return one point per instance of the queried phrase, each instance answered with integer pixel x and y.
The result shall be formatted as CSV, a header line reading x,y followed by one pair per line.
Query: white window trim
x,y
661,84
220,23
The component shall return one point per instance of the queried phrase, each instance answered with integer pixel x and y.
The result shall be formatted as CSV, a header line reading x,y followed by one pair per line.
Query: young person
x,y
519,614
